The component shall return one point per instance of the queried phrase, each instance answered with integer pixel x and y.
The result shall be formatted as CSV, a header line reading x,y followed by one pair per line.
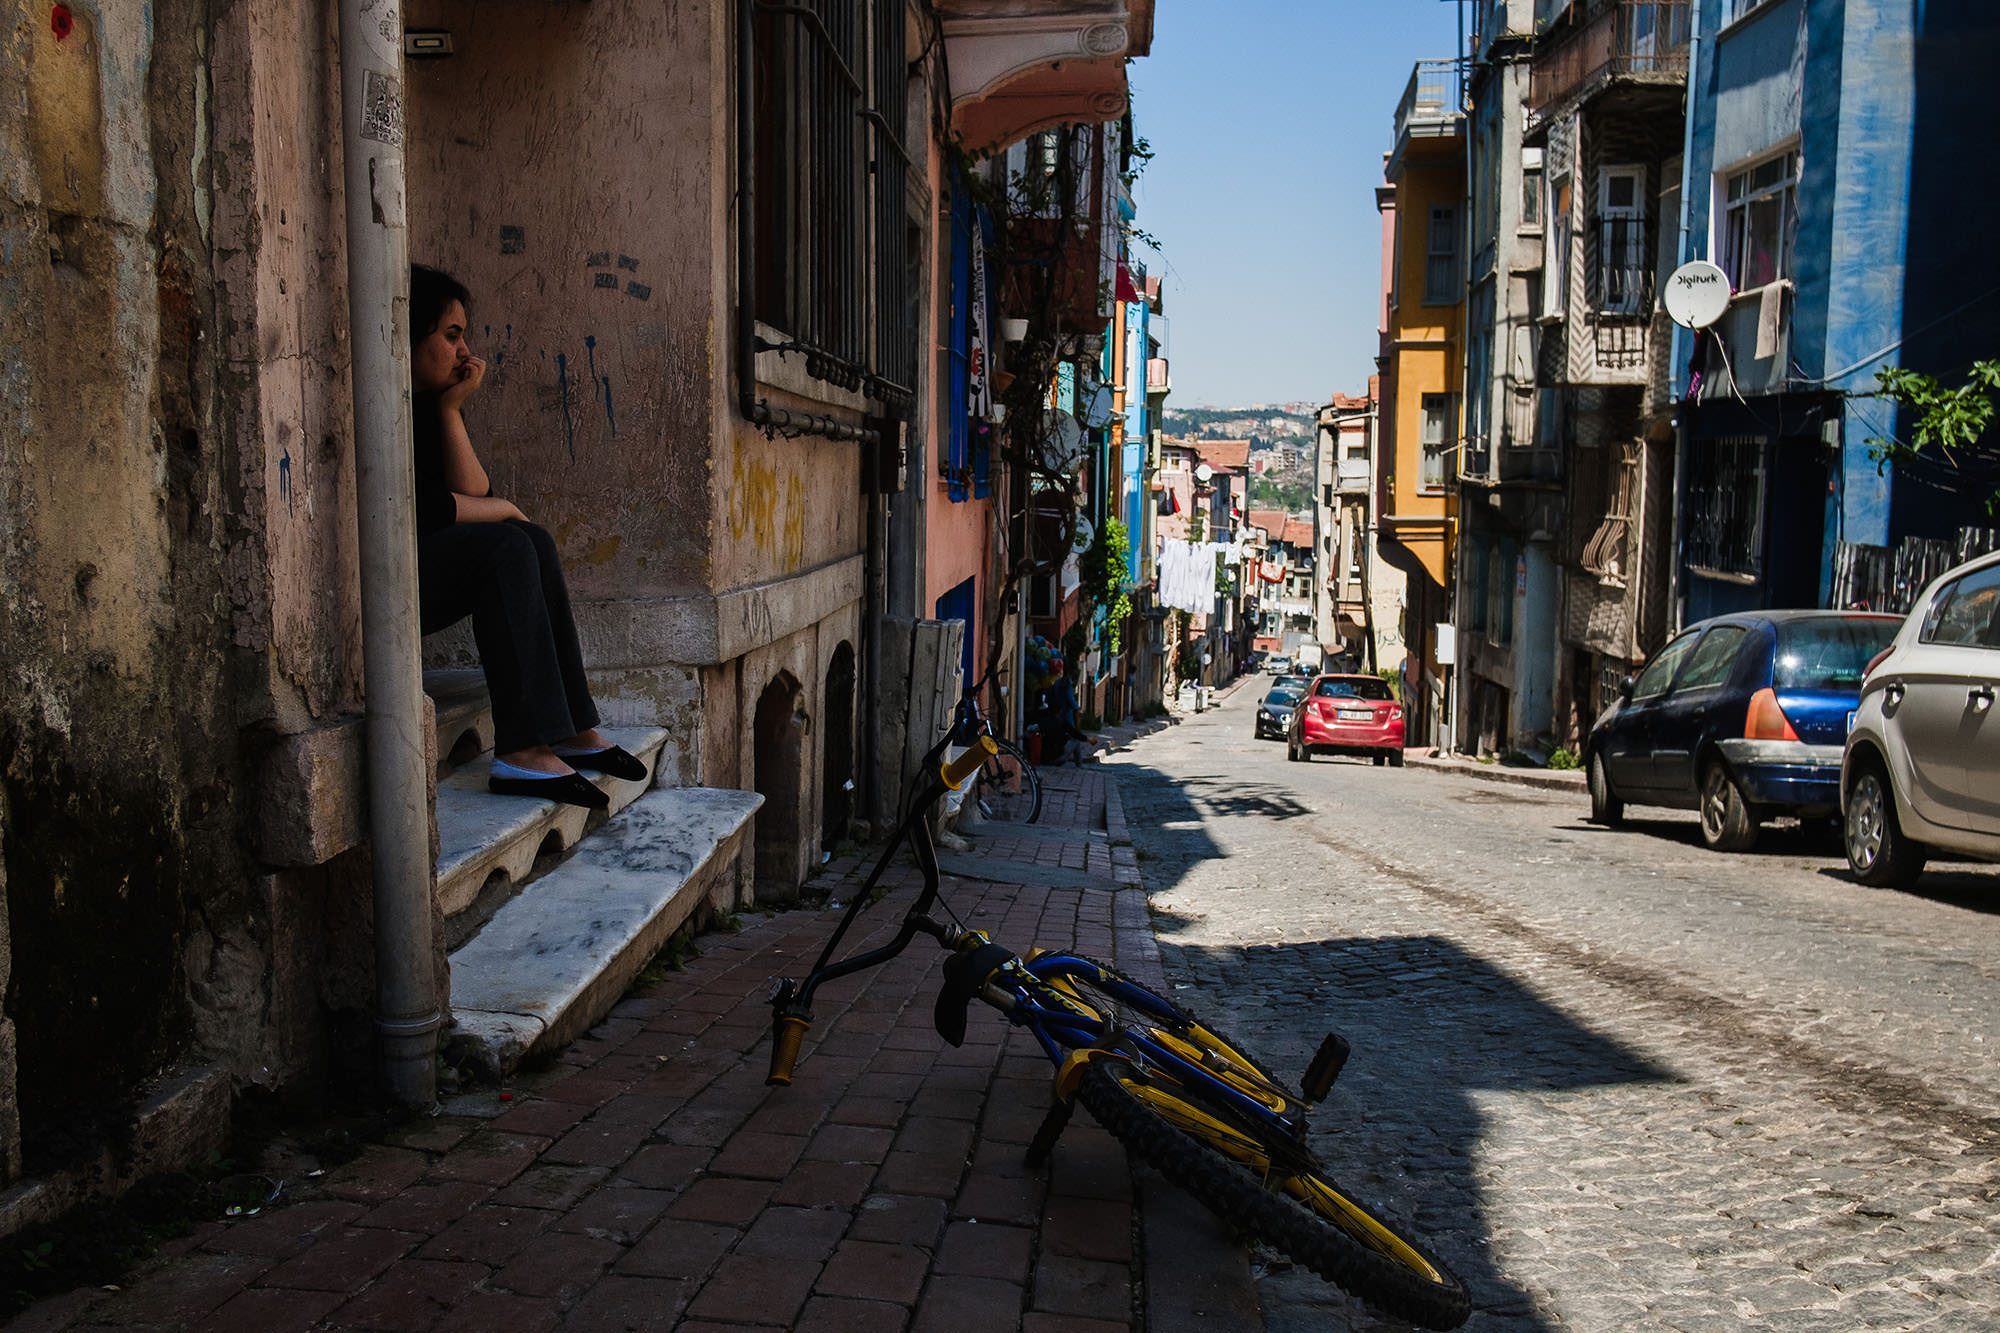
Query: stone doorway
x,y
779,732
837,776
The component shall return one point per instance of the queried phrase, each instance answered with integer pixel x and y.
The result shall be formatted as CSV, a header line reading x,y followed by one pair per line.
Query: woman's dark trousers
x,y
508,578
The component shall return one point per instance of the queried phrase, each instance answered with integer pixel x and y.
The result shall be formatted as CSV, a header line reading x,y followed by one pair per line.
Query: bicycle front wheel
x,y
1194,1141
1009,787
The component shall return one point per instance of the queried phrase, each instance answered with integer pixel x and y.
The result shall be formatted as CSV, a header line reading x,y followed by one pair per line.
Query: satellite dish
x,y
1203,472
1097,411
1085,534
1062,441
1696,294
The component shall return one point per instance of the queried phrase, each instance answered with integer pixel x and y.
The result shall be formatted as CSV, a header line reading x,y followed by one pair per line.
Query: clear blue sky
x,y
1269,119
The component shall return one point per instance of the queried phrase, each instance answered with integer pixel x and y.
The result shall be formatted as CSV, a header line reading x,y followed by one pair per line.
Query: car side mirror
x,y
1625,688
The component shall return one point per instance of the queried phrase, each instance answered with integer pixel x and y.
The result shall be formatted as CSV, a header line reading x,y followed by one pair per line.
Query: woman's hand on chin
x,y
467,376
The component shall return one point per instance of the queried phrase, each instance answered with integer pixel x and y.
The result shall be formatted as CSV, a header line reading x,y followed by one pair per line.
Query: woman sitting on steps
x,y
479,556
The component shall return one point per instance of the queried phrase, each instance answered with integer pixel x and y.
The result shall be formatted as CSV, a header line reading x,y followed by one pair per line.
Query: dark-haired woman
x,y
479,556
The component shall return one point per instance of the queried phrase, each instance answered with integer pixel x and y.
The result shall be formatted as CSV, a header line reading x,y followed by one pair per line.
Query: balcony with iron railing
x,y
1432,107
1643,41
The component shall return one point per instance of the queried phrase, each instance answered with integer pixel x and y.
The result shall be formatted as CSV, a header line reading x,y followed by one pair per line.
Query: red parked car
x,y
1355,715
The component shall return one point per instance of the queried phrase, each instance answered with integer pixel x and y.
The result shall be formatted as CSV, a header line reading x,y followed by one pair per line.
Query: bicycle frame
x,y
1022,989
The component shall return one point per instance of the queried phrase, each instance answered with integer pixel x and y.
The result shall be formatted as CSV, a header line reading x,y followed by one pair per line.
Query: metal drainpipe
x,y
406,1011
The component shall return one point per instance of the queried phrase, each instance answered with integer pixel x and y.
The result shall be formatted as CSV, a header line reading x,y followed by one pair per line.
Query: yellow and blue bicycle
x,y
1176,1093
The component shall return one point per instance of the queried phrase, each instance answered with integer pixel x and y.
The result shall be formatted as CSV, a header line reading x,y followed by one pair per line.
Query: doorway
x,y
778,750
837,772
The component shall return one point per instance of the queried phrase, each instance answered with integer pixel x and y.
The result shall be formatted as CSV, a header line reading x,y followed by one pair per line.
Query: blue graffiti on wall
x,y
600,383
569,424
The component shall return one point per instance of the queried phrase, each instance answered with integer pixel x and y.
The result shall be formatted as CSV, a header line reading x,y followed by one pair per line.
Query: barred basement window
x,y
1725,506
832,270
1605,553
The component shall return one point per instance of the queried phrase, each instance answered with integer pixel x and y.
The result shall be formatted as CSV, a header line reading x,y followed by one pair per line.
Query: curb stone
x,y
1547,780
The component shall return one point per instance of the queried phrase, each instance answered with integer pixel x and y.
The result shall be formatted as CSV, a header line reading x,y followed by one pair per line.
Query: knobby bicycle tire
x,y
1005,768
1231,1170
1306,1216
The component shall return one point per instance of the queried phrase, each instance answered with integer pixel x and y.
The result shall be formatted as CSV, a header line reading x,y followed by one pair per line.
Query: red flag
x,y
1126,291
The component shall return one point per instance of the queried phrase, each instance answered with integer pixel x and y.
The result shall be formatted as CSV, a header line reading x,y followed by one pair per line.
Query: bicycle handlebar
x,y
956,771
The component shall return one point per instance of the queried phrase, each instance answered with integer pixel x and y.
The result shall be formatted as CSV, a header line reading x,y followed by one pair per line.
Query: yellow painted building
x,y
1421,366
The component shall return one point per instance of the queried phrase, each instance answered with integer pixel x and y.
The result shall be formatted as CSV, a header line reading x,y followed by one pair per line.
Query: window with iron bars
x,y
1725,506
1622,280
832,270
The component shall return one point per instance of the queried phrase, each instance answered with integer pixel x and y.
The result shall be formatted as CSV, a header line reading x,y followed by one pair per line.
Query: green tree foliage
x,y
1105,567
1268,494
1949,425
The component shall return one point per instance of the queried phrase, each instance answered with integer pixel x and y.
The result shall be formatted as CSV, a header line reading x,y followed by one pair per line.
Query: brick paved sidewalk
x,y
650,1180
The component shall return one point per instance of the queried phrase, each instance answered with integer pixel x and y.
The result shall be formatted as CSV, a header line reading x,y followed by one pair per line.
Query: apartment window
x,y
1531,189
1760,220
1441,276
1476,562
1739,8
1501,568
1623,273
1725,506
1556,256
1437,432
832,272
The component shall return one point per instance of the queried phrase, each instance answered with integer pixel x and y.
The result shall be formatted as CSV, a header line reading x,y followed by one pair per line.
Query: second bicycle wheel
x,y
1009,789
1292,1205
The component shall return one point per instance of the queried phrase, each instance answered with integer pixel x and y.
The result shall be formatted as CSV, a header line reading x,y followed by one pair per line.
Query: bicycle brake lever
x,y
965,974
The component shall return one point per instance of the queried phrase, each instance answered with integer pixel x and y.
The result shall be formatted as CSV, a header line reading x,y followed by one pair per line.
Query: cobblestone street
x,y
1617,1080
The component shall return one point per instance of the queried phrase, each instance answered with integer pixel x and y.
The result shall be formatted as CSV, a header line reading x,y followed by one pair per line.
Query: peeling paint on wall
x,y
768,510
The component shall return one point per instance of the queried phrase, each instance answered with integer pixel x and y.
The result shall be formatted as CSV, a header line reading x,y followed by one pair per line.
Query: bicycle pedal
x,y
1325,1067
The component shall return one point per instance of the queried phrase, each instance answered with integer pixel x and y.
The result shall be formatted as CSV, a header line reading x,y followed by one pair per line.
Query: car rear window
x,y
1830,654
1353,687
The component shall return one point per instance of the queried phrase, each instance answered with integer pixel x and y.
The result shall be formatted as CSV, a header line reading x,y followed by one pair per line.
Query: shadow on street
x,y
1432,1027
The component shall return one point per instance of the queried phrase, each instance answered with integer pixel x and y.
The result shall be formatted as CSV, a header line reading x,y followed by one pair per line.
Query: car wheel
x,y
1877,851
1291,747
1395,758
1605,806
1381,759
1726,824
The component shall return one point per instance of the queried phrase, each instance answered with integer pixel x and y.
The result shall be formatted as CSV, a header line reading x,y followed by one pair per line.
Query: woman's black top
x,y
436,507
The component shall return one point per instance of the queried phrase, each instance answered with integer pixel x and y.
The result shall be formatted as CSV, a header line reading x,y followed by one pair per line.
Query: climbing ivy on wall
x,y
1105,566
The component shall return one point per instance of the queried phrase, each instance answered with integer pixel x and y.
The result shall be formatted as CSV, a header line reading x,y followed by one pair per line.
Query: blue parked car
x,y
1741,717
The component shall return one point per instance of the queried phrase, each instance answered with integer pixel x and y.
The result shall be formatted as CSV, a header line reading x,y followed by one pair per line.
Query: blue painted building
x,y
1839,168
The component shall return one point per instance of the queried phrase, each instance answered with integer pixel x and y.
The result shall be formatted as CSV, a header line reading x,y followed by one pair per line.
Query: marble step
x,y
464,715
488,845
555,959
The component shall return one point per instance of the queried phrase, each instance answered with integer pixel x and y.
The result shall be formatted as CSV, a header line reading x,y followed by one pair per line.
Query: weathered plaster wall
x,y
565,164
118,835
279,243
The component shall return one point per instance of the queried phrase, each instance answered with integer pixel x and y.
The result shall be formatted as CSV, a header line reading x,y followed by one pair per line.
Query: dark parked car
x,y
1274,714
1741,717
1342,714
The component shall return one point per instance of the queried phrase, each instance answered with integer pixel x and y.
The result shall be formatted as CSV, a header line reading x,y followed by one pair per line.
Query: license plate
x,y
1356,715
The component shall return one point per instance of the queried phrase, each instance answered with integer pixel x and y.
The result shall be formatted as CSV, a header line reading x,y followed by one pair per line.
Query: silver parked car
x,y
1921,771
